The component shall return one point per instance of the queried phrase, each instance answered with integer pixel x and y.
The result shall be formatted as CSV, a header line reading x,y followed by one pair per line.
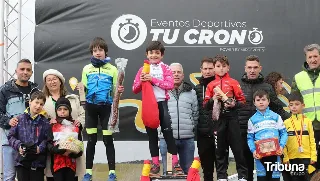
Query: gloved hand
x,y
73,155
56,150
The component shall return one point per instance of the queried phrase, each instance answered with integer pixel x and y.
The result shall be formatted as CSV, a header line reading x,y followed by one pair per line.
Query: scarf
x,y
99,63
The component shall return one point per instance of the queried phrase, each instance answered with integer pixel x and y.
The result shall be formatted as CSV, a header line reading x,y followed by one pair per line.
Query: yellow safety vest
x,y
310,94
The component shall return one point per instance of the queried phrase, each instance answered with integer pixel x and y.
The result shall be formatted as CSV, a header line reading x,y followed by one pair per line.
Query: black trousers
x,y
300,175
165,123
285,174
206,150
317,138
248,155
26,174
64,174
228,133
93,114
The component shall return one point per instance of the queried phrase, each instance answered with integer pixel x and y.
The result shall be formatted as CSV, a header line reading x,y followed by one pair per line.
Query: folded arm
x,y
167,82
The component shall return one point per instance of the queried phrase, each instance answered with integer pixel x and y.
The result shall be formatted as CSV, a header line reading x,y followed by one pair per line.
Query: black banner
x,y
276,31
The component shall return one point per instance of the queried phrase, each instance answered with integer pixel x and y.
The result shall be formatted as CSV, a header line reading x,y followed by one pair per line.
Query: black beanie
x,y
62,101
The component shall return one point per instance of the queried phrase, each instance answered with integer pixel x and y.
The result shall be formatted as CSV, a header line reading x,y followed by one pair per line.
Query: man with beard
x,y
205,127
14,99
250,82
307,82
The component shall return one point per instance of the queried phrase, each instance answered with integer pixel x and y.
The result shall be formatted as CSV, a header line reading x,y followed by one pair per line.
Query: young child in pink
x,y
161,78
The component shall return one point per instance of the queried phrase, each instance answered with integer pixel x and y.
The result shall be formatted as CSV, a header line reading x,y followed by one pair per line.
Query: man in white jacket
x,y
183,109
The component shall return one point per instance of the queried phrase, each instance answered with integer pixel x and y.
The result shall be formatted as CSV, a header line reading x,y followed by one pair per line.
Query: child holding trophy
x,y
66,143
224,96
154,85
267,137
99,79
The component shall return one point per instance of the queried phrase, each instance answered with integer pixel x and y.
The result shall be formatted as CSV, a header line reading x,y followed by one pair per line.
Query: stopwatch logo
x,y
255,37
128,32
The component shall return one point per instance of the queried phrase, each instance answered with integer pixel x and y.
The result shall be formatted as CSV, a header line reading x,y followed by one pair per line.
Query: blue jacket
x,y
100,83
263,126
31,130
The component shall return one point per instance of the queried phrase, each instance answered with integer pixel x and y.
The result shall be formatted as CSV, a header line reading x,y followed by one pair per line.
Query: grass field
x,y
131,172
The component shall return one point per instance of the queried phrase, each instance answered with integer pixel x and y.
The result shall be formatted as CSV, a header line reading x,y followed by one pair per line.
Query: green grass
x,y
132,172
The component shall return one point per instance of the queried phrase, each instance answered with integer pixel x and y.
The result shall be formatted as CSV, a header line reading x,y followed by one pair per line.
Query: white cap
x,y
53,72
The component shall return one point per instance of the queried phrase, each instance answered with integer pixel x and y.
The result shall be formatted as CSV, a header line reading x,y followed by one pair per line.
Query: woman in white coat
x,y
54,88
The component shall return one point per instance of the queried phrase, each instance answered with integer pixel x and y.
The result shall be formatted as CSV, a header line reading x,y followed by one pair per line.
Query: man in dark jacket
x,y
205,138
14,99
250,82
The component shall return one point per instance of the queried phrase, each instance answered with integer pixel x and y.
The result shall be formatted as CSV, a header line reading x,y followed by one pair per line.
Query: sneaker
x,y
155,169
177,170
242,179
112,177
87,177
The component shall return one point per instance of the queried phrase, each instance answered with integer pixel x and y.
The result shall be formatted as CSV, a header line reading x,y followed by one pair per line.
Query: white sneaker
x,y
223,180
242,179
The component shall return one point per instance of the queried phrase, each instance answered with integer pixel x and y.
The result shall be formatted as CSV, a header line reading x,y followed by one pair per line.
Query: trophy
x,y
74,84
82,94
267,147
113,123
216,104
225,98
216,110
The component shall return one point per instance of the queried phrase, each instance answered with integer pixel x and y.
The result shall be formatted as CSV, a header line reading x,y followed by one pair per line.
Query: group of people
x,y
30,119
251,113
33,121
219,112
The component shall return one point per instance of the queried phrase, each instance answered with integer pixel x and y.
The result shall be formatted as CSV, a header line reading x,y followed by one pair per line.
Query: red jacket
x,y
228,85
61,161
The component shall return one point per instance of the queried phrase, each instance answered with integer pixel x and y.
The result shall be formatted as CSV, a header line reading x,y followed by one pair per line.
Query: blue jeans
x,y
185,148
8,156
